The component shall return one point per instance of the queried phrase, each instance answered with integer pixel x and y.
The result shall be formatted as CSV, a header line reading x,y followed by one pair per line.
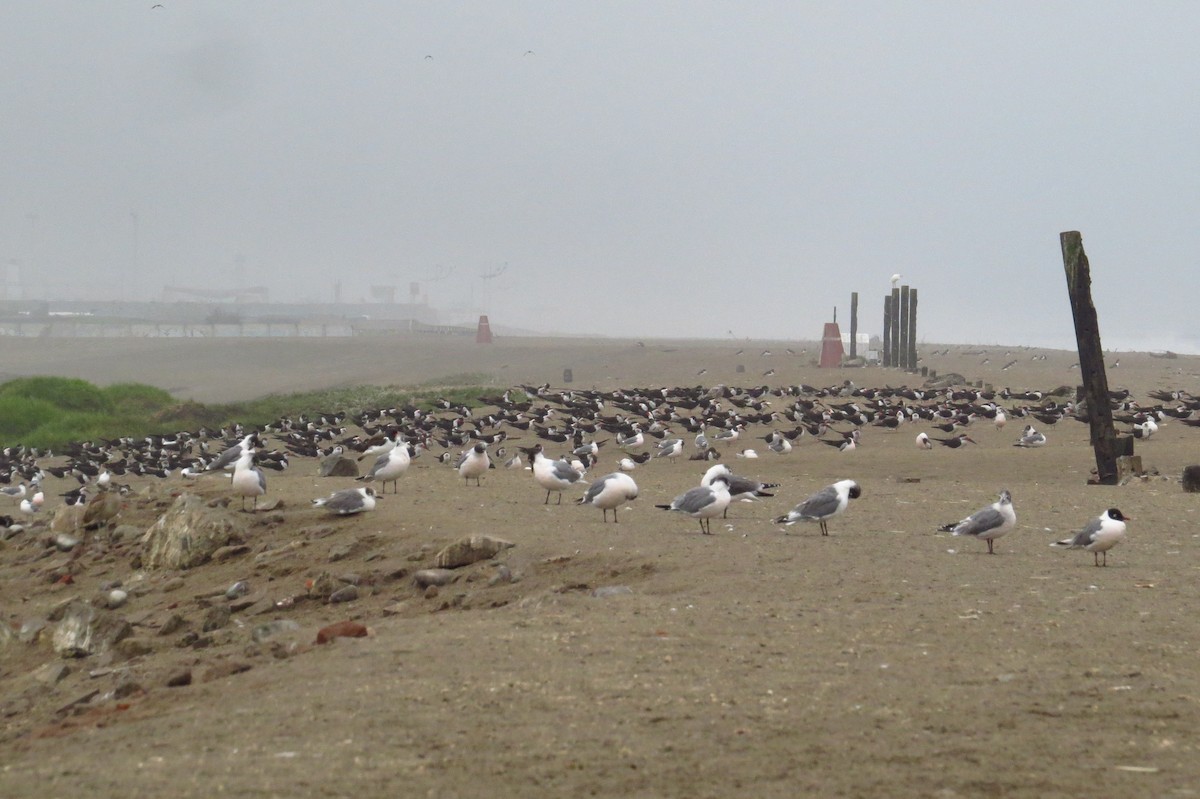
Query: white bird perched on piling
x,y
609,493
823,505
1099,535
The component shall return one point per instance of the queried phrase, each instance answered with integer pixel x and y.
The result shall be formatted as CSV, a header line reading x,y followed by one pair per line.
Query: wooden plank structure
x,y
1091,356
900,328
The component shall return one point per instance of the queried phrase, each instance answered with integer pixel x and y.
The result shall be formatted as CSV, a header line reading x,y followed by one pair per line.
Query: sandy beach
x,y
887,659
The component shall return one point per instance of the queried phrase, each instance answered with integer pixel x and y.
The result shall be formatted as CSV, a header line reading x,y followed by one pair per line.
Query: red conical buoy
x,y
483,333
831,346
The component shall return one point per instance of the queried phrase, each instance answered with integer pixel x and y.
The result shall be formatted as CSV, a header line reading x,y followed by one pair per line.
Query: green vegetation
x,y
48,412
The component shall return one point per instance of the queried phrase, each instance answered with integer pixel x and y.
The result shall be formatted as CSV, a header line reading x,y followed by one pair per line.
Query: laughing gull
x,y
702,502
609,492
17,492
348,501
552,475
474,463
229,457
248,480
1031,438
390,466
741,488
823,505
923,441
987,523
671,448
1100,535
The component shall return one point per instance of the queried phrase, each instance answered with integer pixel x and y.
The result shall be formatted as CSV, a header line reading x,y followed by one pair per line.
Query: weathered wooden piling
x,y
1091,355
854,324
895,356
902,350
912,329
887,330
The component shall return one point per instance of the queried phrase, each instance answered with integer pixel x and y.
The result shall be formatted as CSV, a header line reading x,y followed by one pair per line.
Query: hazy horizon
x,y
660,169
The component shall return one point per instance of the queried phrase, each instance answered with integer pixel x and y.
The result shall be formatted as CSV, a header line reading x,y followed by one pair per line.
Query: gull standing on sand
x,y
348,501
474,463
741,488
702,502
390,466
1100,535
248,480
823,505
987,523
609,493
550,474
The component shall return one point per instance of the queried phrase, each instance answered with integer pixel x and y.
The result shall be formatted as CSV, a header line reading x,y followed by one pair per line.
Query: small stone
x,y
74,636
394,609
341,629
51,673
262,632
240,604
216,618
261,606
173,584
230,551
471,549
28,632
134,647
431,592
172,625
128,687
240,588
611,590
427,577
179,678
65,543
340,552
226,669
503,575
116,598
347,593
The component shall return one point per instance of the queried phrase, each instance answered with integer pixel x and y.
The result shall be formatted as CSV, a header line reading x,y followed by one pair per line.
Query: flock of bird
x,y
644,425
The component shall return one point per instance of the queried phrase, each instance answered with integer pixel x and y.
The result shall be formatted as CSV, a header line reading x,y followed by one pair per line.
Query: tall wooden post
x,y
887,330
854,324
912,329
1091,355
895,327
902,360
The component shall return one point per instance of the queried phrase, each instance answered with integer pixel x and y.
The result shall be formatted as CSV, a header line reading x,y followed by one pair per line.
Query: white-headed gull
x,y
987,523
823,505
702,502
348,501
610,492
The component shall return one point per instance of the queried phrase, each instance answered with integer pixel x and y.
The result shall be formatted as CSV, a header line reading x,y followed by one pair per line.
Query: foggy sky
x,y
642,168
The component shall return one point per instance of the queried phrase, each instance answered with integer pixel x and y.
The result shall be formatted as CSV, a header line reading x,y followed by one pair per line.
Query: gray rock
x,y
340,552
611,590
471,549
347,593
188,534
262,632
74,636
338,467
116,598
172,625
179,678
51,673
427,577
216,618
240,588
